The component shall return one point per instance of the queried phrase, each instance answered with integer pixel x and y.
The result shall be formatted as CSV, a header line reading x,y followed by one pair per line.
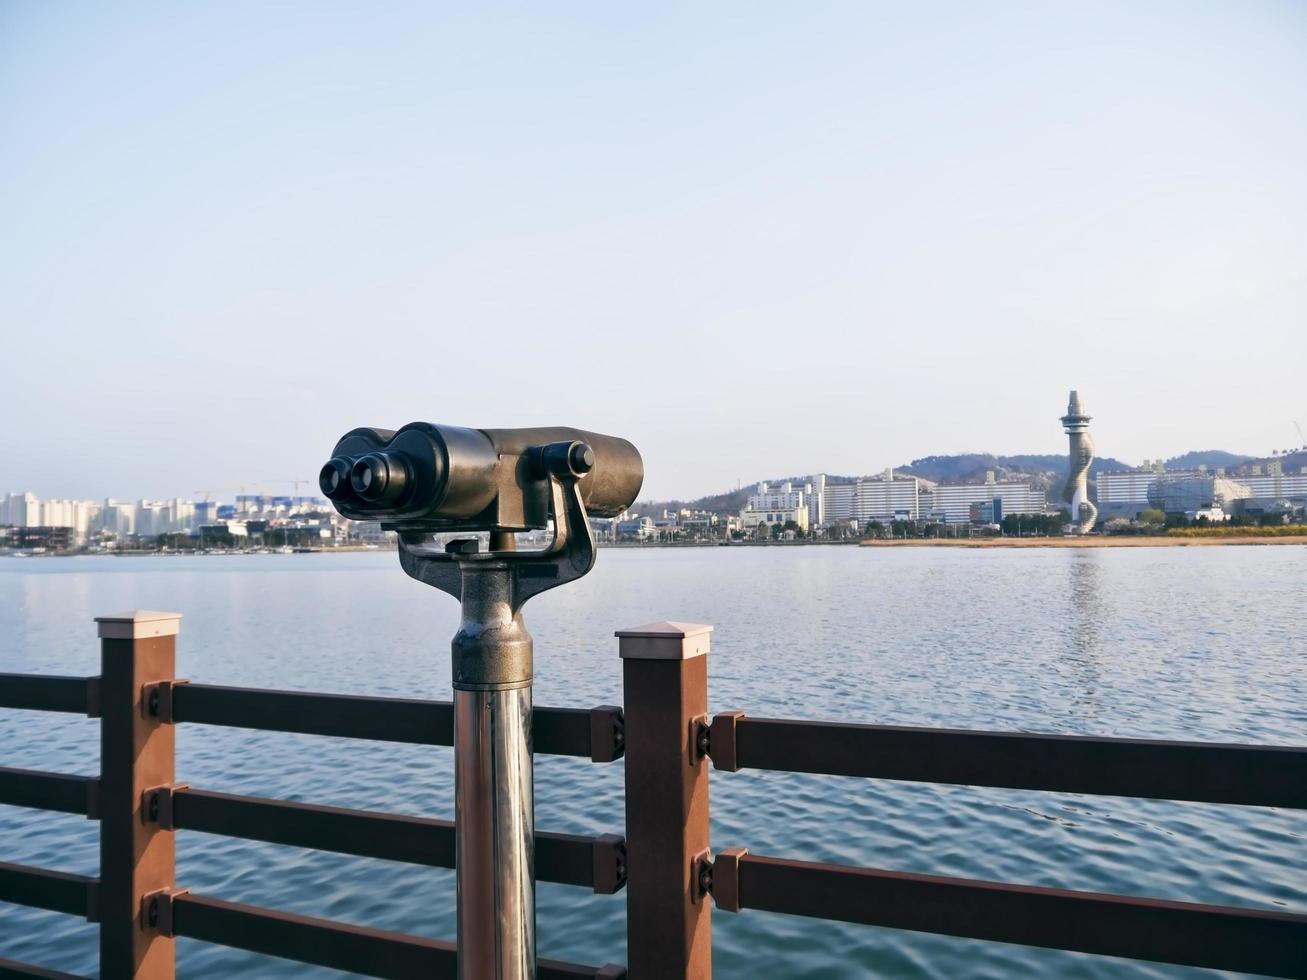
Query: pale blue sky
x,y
754,238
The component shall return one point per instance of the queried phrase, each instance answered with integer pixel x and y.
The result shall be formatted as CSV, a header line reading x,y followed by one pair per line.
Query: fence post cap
x,y
664,641
138,624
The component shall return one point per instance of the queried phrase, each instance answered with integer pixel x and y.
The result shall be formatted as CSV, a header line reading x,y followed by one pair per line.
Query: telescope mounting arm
x,y
570,554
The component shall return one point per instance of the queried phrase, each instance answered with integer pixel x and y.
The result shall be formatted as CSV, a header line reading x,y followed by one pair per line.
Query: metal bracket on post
x,y
700,739
701,876
157,804
609,864
607,733
157,700
718,877
722,743
156,910
726,879
93,697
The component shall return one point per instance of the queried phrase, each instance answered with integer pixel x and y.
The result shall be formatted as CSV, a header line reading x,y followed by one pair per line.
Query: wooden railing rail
x,y
13,970
324,942
555,731
47,692
1202,772
40,888
49,791
1216,937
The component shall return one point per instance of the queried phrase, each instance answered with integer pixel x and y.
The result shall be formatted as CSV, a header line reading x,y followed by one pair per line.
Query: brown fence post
x,y
669,921
137,650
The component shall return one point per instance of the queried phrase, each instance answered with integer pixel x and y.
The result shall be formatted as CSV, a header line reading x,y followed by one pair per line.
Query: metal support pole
x,y
137,649
494,806
669,919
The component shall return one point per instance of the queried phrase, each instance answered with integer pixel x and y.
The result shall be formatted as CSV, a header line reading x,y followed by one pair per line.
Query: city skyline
x,y
253,489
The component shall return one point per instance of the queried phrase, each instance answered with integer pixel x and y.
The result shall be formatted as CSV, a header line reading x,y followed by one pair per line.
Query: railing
x,y
136,901
664,862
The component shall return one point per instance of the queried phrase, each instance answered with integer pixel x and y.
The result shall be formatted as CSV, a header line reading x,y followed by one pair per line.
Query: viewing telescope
x,y
424,479
445,478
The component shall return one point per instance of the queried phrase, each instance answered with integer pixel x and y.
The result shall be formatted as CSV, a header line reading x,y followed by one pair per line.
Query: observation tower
x,y
1076,492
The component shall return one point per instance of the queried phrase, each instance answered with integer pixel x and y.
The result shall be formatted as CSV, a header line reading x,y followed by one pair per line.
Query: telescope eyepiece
x,y
379,477
333,479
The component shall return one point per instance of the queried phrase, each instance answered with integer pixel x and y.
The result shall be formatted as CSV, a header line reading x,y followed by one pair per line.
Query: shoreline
x,y
1115,541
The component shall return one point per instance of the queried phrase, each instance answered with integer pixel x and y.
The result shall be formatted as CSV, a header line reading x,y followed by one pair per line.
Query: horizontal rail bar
x,y
13,970
346,715
322,942
1205,772
47,790
555,731
1215,937
57,891
560,731
564,858
37,692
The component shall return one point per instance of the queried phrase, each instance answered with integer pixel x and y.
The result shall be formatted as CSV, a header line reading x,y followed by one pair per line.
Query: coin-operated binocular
x,y
425,479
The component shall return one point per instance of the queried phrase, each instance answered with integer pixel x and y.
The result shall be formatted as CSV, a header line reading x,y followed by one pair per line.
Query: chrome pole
x,y
494,796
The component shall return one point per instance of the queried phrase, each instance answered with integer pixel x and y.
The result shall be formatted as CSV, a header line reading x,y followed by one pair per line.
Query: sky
x,y
754,238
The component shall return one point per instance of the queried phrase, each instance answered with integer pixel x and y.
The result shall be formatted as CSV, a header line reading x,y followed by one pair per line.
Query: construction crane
x,y
295,483
1301,437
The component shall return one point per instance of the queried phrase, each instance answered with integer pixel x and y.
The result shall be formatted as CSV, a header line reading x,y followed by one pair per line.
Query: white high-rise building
x,y
952,503
20,510
872,498
118,517
76,514
151,517
777,506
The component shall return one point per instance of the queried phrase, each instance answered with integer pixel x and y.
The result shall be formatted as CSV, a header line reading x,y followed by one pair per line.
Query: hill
x,y
1211,458
972,467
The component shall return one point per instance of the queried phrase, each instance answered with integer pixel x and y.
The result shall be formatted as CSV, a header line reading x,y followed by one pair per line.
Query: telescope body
x,y
427,477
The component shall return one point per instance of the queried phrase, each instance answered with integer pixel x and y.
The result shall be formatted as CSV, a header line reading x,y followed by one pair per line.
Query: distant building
x,y
1190,493
951,503
118,517
883,498
987,511
636,529
269,505
775,506
702,523
1127,492
75,514
1123,488
37,538
20,510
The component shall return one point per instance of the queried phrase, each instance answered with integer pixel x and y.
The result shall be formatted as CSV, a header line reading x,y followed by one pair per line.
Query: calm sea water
x,y
1193,643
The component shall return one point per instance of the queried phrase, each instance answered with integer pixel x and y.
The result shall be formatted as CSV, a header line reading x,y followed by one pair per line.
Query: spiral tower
x,y
1076,492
